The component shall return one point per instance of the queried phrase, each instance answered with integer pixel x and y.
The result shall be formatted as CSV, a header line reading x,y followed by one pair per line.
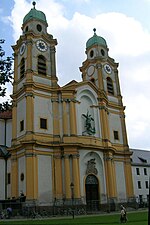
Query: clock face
x,y
107,68
22,48
41,45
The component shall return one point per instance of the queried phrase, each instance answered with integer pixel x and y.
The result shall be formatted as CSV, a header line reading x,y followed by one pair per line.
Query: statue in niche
x,y
91,167
88,124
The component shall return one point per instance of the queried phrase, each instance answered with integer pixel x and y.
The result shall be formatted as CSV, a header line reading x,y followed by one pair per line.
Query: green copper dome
x,y
35,14
96,40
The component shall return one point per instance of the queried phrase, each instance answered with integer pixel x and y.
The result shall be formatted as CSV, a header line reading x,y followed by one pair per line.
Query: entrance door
x,y
92,192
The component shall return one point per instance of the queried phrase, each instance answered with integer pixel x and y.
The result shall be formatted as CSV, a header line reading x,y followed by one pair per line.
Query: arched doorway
x,y
92,192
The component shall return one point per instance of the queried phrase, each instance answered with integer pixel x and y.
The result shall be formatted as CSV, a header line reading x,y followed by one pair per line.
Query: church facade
x,y
67,141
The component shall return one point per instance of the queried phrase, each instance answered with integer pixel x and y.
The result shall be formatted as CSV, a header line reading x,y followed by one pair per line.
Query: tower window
x,y
91,53
116,135
102,52
26,30
110,88
39,27
41,65
43,123
22,68
22,125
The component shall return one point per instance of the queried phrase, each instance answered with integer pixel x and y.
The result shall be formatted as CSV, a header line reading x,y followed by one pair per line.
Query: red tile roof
x,y
6,115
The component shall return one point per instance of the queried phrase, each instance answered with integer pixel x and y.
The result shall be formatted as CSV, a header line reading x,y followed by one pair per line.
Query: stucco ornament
x,y
91,167
90,129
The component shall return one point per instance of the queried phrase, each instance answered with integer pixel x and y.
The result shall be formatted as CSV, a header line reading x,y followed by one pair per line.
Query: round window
x,y
39,27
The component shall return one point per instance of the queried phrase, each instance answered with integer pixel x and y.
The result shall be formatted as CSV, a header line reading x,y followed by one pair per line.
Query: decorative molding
x,y
98,66
29,94
91,167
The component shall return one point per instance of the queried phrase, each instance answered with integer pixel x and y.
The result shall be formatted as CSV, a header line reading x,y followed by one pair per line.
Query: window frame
x,y
41,65
43,121
21,125
110,86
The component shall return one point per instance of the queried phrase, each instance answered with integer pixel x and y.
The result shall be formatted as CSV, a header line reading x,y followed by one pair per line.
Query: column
x,y
76,176
67,176
100,76
128,178
73,122
55,114
124,132
14,121
29,53
14,176
29,112
104,123
58,176
16,74
65,118
31,176
110,177
53,61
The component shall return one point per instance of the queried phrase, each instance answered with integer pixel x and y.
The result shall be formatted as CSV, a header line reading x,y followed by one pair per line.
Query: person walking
x,y
123,214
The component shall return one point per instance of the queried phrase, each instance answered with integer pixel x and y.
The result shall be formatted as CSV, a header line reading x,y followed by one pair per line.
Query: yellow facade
x,y
67,137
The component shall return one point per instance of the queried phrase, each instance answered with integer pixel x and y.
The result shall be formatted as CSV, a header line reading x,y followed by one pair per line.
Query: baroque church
x,y
68,141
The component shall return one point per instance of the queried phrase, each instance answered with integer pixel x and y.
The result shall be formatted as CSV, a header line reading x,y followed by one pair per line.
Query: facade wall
x,y
43,109
86,156
2,179
45,179
21,116
5,132
21,172
121,186
115,125
139,182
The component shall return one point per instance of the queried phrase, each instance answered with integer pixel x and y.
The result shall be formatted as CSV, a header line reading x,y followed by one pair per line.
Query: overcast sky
x,y
125,25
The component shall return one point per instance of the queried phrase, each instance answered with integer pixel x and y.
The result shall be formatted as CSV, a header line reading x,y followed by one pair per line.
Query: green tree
x,y
6,75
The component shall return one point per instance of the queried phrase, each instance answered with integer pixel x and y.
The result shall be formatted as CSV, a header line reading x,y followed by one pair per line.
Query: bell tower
x,y
34,81
35,70
102,71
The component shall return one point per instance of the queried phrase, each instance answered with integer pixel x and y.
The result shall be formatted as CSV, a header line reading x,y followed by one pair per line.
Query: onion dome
x,y
96,40
35,14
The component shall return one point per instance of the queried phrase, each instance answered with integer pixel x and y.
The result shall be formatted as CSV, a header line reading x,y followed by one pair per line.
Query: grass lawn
x,y
137,218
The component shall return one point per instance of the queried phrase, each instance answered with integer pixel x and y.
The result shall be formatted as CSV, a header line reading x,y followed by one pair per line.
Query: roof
x,y
35,14
140,157
6,114
96,40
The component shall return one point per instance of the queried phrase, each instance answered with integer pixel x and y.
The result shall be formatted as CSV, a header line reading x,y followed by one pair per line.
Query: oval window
x,y
91,53
39,27
102,52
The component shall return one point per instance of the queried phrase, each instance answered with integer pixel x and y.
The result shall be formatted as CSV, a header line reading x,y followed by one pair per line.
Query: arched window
x,y
22,68
41,65
110,88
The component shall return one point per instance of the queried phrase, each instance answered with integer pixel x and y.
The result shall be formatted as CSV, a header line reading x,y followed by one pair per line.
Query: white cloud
x,y
129,44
